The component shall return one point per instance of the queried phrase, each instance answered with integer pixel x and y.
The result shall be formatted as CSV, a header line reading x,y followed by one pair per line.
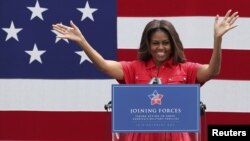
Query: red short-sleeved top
x,y
139,72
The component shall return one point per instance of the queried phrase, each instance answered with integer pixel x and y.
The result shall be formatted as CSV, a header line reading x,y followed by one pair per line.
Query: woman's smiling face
x,y
160,47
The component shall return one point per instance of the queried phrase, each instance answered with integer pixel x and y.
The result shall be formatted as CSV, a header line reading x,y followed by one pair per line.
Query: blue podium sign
x,y
156,108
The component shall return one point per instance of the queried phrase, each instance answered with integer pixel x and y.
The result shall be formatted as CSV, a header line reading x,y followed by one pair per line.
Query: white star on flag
x,y
35,54
58,39
37,11
87,12
83,56
12,31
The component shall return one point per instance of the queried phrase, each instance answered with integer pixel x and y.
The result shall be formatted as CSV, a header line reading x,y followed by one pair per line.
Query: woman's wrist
x,y
217,37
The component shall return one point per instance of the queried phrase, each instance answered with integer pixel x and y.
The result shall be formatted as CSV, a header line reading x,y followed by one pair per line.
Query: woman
x,y
161,60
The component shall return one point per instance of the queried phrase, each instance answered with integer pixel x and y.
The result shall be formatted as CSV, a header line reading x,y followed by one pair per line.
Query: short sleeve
x,y
192,69
128,73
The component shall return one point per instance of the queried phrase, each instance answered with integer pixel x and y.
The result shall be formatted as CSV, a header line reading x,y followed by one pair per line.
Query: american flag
x,y
50,90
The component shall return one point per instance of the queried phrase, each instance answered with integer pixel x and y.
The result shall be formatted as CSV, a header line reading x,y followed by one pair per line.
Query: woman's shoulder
x,y
189,65
133,62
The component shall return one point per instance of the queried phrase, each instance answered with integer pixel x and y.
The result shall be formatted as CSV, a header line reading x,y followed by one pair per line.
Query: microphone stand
x,y
203,113
107,107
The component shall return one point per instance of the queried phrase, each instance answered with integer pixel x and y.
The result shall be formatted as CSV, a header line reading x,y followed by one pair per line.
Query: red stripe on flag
x,y
31,125
158,8
230,68
84,126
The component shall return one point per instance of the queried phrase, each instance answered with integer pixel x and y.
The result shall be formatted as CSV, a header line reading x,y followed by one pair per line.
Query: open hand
x,y
220,28
73,33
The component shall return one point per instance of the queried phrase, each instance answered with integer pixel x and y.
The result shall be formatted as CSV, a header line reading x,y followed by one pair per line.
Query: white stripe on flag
x,y
55,95
91,95
195,32
226,95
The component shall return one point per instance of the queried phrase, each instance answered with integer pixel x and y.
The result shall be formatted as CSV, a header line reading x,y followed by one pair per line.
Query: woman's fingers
x,y
227,15
69,32
73,25
216,19
233,18
63,27
58,29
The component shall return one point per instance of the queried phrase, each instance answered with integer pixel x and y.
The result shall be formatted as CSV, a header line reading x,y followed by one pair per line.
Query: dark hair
x,y
176,46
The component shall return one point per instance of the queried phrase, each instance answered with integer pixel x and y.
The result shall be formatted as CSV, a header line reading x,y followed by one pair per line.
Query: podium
x,y
157,109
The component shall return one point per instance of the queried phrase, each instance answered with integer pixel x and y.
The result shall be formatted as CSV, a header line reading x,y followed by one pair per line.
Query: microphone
x,y
202,108
108,106
155,80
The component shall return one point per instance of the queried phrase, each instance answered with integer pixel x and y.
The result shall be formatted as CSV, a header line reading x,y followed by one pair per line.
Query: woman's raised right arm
x,y
110,67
